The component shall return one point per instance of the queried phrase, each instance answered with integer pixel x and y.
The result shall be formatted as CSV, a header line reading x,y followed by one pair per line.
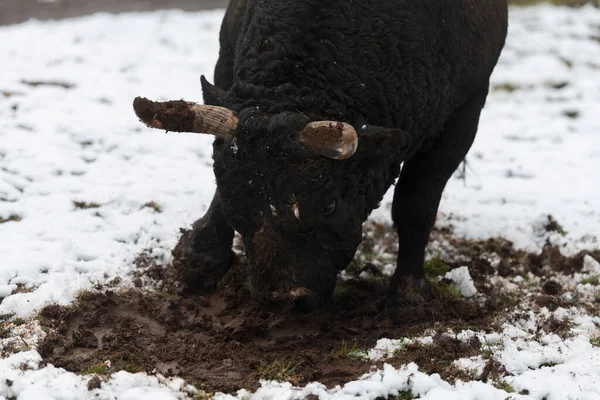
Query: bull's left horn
x,y
185,116
337,140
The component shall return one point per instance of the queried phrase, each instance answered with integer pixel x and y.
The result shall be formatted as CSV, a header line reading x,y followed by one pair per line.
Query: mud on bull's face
x,y
291,185
294,209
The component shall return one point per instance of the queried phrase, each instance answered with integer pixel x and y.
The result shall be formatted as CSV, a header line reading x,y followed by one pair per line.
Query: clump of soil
x,y
437,357
552,225
220,341
174,116
84,205
10,218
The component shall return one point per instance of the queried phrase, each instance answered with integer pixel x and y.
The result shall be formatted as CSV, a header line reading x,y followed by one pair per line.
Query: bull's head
x,y
290,186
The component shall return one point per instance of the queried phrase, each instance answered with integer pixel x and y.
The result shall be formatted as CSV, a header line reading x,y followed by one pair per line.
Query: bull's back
x,y
397,63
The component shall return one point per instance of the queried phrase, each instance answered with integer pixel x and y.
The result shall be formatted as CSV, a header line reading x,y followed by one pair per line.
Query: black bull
x,y
318,105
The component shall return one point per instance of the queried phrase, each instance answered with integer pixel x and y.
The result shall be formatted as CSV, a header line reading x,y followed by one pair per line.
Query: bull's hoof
x,y
200,264
410,290
409,301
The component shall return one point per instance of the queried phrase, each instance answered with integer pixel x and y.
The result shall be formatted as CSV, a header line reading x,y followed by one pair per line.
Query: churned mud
x,y
219,341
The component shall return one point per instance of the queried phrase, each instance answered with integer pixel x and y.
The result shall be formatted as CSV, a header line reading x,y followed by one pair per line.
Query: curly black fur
x,y
410,75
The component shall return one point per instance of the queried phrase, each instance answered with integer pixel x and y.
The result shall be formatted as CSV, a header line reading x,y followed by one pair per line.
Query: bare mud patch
x,y
220,341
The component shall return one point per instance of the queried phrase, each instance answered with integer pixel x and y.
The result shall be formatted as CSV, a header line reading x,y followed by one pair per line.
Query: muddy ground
x,y
219,341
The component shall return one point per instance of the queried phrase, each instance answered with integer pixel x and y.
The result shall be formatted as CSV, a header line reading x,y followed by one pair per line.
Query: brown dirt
x,y
175,116
10,218
220,341
64,85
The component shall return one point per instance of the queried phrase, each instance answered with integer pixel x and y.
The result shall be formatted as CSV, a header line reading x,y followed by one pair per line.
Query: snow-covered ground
x,y
537,153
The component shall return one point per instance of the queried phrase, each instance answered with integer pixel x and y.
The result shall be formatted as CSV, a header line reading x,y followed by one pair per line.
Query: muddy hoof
x,y
410,291
199,262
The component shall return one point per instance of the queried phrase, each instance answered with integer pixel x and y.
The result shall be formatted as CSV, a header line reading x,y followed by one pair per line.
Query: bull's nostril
x,y
299,293
292,295
304,299
276,296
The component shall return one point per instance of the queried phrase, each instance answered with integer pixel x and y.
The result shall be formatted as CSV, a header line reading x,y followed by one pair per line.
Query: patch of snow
x,y
471,364
23,379
388,381
463,281
7,290
537,149
86,144
590,265
384,348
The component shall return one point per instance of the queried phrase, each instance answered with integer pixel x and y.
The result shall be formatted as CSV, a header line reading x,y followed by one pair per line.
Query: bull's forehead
x,y
290,185
272,164
260,177
289,192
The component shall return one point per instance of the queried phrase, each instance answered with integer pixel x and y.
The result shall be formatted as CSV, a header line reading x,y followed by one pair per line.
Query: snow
x,y
85,144
21,377
60,145
530,159
380,384
590,265
462,281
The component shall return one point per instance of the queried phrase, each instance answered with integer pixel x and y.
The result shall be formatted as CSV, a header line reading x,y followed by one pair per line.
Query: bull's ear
x,y
213,96
375,141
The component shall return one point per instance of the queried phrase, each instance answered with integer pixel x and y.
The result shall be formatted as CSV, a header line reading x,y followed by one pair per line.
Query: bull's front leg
x,y
203,254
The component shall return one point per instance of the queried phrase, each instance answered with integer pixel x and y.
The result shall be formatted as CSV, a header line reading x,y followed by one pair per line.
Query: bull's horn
x,y
337,140
185,116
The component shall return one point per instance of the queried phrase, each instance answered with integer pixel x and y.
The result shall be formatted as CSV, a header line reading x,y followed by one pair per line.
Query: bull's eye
x,y
329,208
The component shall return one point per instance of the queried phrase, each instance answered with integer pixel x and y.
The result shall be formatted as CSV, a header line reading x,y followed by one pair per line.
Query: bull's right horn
x,y
185,116
337,140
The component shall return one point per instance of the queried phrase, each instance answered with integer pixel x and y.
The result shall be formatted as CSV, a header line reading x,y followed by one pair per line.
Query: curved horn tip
x,y
144,109
332,139
139,102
